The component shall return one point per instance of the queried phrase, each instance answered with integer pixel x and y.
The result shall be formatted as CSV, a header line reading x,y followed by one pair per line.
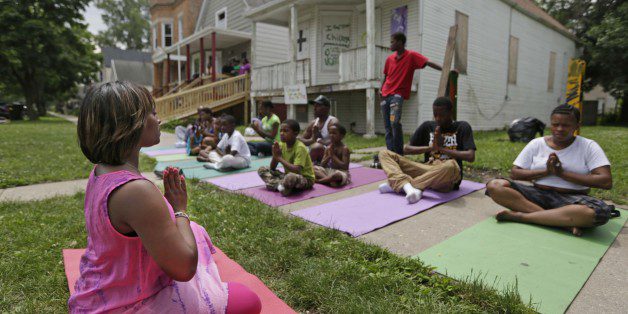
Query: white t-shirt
x,y
237,143
582,156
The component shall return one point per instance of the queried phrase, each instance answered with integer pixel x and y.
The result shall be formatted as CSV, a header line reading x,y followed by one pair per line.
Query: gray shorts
x,y
552,199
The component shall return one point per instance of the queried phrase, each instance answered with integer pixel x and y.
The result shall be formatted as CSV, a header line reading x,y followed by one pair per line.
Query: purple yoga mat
x,y
161,152
245,180
359,177
364,213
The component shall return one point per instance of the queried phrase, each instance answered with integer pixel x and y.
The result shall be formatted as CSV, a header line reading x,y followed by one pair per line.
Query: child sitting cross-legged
x,y
232,152
334,169
293,155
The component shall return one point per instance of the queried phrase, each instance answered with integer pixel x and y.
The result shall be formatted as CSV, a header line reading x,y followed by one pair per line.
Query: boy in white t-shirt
x,y
232,152
563,167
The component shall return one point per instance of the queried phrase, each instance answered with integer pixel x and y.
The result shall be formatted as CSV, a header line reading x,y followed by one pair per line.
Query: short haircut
x,y
567,109
399,36
293,125
206,110
444,102
229,119
268,104
111,121
341,128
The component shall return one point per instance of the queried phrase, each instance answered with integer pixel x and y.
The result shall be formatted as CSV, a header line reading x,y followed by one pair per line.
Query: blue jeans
x,y
391,112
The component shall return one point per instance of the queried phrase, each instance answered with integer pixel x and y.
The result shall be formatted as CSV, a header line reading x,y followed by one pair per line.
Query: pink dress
x,y
118,274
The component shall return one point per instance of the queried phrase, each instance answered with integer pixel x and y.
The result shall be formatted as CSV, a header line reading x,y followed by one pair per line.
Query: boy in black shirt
x,y
445,144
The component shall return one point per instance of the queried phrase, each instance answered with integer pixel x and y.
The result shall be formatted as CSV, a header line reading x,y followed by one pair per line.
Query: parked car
x,y
13,111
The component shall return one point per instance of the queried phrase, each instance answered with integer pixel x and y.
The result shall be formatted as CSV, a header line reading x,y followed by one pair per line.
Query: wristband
x,y
181,214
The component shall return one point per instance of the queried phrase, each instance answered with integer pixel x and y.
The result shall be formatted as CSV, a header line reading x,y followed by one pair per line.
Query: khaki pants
x,y
438,175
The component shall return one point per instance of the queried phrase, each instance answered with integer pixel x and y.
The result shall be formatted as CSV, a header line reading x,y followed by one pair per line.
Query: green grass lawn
x,y
312,268
46,150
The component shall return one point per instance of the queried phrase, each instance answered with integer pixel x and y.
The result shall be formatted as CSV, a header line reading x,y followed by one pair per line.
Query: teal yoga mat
x,y
202,173
550,265
191,163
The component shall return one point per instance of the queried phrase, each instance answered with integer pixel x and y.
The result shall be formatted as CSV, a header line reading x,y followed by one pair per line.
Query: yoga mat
x,y
246,180
364,213
549,264
185,164
156,147
202,173
229,270
359,177
172,151
175,157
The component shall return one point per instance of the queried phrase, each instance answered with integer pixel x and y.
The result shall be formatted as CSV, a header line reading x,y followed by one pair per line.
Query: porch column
x,y
178,64
293,54
156,78
370,68
202,70
252,62
213,56
187,63
167,72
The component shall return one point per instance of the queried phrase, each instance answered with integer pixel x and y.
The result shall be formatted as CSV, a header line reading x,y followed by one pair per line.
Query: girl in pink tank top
x,y
143,253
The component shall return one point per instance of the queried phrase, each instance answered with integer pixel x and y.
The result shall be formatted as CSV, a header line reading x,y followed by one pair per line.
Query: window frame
x,y
225,20
163,33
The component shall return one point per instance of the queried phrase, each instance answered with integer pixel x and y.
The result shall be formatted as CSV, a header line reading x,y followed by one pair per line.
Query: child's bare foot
x,y
576,231
508,215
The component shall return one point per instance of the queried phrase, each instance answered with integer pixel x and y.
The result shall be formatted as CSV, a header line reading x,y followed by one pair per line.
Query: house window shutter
x,y
552,72
513,54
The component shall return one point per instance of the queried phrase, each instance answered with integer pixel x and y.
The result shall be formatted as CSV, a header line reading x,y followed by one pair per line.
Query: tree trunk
x,y
623,115
31,105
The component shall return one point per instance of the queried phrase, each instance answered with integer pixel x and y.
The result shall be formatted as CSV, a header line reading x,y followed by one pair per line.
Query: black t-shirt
x,y
457,136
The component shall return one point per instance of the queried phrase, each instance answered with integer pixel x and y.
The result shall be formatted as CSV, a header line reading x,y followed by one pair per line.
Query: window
x,y
460,60
167,34
221,18
513,53
180,29
552,71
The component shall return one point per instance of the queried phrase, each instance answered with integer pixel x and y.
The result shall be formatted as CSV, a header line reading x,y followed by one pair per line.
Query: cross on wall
x,y
301,40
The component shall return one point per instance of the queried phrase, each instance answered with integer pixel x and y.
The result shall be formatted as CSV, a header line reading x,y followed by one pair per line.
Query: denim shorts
x,y
552,199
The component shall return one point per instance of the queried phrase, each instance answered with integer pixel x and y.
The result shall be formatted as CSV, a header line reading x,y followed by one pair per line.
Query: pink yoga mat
x,y
245,180
359,177
364,213
161,152
229,271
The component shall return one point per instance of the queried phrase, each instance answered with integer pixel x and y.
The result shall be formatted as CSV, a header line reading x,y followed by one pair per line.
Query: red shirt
x,y
399,72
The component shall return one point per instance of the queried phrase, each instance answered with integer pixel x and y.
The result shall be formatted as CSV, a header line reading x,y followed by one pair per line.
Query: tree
x,y
600,26
127,24
46,50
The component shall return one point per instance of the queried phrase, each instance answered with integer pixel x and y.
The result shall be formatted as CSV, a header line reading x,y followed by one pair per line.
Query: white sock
x,y
280,188
385,188
210,165
412,195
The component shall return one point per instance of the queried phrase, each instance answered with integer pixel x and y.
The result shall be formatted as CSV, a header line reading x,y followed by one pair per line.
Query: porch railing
x,y
352,64
276,76
215,95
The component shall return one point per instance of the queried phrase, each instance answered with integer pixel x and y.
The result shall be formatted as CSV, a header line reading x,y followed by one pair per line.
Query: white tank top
x,y
324,129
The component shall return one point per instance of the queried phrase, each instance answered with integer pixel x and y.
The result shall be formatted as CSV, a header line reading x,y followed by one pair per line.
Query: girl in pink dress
x,y
143,252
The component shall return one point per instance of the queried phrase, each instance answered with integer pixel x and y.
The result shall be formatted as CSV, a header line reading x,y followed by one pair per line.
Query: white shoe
x,y
385,188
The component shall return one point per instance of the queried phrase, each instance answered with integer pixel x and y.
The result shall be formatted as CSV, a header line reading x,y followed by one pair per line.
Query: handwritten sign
x,y
336,36
295,94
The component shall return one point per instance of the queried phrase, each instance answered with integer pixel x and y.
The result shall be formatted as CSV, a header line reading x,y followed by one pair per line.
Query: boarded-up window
x,y
551,72
462,36
513,54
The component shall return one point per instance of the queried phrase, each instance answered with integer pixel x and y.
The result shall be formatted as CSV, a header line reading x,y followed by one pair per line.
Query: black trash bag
x,y
524,130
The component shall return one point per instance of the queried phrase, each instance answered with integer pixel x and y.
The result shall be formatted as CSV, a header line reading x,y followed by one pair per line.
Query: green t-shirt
x,y
267,126
298,156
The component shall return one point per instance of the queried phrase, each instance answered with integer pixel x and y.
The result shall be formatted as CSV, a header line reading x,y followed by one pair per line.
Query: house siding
x,y
485,99
235,15
271,44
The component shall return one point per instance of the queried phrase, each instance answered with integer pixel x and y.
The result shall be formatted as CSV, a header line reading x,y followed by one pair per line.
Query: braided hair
x,y
568,110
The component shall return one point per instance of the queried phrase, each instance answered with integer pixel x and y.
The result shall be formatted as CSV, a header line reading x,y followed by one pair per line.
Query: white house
x,y
514,62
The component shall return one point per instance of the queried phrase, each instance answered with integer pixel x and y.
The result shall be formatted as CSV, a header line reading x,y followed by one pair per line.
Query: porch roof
x,y
224,38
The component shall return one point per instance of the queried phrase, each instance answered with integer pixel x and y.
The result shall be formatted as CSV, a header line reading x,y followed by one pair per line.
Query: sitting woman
x,y
563,167
268,129
143,253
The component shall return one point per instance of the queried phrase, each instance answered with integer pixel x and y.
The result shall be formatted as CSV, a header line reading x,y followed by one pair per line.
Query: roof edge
x,y
563,31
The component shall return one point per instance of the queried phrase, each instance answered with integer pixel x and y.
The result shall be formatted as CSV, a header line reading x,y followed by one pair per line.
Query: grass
x,y
311,268
41,151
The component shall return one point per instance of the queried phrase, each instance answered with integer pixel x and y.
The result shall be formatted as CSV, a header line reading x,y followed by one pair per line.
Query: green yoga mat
x,y
202,173
549,265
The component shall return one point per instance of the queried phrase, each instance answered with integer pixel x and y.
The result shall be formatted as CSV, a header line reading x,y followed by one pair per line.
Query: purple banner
x,y
399,20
